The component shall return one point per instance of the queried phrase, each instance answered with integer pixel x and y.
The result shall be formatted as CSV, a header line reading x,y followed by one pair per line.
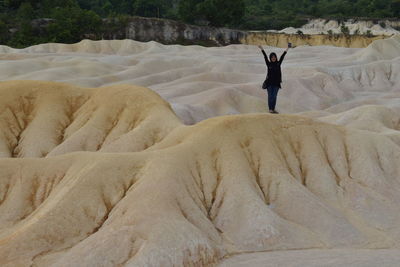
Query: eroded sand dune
x,y
201,83
41,119
114,176
188,195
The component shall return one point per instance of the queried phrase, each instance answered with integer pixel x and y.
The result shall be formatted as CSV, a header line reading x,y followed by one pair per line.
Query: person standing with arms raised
x,y
274,77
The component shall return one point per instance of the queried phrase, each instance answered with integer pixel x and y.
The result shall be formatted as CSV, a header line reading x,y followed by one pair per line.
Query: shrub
x,y
368,33
345,30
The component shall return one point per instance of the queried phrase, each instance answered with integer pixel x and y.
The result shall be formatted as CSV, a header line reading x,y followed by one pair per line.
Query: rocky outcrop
x,y
282,39
173,32
352,26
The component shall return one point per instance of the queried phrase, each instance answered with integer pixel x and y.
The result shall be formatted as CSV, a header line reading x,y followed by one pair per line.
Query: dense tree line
x,y
71,20
282,13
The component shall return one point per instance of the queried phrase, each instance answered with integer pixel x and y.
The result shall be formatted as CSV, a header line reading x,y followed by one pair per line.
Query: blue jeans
x,y
272,96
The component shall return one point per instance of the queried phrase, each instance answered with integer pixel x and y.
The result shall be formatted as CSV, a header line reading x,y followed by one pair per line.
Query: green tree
x,y
48,6
13,4
345,30
74,19
25,12
221,12
72,24
24,36
216,12
123,6
150,8
4,34
395,7
187,10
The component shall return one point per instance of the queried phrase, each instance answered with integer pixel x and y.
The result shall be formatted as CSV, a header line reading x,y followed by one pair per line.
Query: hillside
x,y
183,195
124,153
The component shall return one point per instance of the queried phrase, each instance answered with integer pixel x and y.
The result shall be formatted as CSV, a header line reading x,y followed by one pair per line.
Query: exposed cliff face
x,y
281,39
173,32
354,26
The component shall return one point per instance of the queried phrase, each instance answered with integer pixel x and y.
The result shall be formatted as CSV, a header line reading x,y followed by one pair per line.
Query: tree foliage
x,y
267,14
73,20
215,12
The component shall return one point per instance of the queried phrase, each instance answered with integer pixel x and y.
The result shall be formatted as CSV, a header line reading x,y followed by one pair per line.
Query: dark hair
x,y
272,55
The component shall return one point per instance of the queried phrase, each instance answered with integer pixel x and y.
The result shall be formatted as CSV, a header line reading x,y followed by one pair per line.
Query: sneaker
x,y
271,111
275,112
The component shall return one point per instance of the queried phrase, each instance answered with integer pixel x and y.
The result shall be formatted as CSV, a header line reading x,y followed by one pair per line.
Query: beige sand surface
x,y
111,176
317,258
201,83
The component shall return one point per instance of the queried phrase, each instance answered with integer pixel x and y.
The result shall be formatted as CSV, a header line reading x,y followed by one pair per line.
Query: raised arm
x,y
265,54
283,55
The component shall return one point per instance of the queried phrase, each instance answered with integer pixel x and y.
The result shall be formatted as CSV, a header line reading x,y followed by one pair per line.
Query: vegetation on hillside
x,y
22,23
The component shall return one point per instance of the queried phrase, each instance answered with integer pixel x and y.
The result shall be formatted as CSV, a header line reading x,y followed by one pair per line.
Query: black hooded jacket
x,y
274,76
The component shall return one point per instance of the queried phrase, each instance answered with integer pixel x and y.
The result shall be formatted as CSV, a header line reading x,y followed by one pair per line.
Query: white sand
x,y
110,176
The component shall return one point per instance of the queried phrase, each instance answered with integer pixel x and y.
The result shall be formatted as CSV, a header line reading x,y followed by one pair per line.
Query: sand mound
x,y
39,119
381,50
86,46
377,119
201,83
185,195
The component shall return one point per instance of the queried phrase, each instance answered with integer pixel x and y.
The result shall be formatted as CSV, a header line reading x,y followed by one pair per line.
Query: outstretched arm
x,y
283,55
265,54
